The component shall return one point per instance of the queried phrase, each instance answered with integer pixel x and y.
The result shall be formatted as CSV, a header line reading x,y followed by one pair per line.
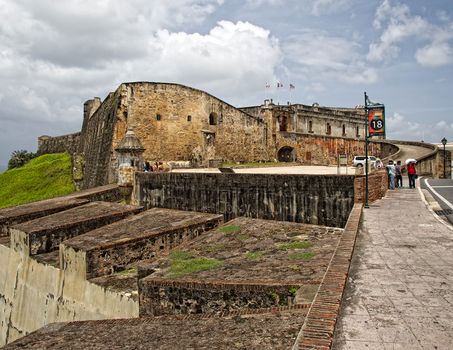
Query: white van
x,y
359,161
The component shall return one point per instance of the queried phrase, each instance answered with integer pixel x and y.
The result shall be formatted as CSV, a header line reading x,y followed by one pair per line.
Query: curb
x,y
319,326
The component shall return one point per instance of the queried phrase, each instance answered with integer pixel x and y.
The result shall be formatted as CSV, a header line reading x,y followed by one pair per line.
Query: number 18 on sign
x,y
376,122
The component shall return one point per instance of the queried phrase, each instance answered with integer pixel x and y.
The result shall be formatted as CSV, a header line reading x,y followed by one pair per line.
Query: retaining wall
x,y
58,144
319,200
34,294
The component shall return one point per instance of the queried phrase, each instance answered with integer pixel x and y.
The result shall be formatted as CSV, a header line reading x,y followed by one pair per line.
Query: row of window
x,y
283,127
212,118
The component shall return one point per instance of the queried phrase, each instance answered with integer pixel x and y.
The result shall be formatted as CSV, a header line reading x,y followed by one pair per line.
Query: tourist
x,y
147,167
411,174
398,175
391,174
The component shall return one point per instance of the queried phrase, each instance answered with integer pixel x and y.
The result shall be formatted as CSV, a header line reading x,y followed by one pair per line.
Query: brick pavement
x,y
399,293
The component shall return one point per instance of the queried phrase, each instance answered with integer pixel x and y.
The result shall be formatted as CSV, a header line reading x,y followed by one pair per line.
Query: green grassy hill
x,y
44,177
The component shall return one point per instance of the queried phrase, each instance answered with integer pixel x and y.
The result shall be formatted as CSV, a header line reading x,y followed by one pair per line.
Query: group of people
x,y
157,166
395,175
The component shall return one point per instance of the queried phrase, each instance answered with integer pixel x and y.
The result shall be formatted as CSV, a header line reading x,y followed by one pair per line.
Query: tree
x,y
20,158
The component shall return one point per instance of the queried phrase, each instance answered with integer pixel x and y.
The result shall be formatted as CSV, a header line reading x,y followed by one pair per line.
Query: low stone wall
x,y
163,297
377,186
34,294
320,200
59,144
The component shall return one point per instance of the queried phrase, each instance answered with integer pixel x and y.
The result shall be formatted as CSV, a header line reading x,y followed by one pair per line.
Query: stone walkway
x,y
400,290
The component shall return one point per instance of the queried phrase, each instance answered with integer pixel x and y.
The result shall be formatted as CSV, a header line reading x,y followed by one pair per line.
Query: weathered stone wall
x,y
377,186
162,297
321,200
59,144
96,143
323,150
175,122
34,294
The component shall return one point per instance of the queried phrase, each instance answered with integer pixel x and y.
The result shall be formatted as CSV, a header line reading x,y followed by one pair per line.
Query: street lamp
x,y
444,142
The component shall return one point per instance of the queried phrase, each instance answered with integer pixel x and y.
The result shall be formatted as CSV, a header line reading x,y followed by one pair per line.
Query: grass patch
x,y
301,256
294,267
229,229
254,164
253,255
294,245
243,237
183,263
215,248
44,177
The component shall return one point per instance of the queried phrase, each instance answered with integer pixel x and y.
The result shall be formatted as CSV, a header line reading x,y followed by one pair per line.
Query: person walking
x,y
398,175
391,171
411,174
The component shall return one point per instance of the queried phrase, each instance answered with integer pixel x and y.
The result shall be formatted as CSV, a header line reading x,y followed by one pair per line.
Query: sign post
x,y
374,126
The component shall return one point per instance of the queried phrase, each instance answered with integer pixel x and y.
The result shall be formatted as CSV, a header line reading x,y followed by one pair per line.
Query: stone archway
x,y
286,154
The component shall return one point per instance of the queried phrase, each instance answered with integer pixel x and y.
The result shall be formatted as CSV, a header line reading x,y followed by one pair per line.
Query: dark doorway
x,y
286,154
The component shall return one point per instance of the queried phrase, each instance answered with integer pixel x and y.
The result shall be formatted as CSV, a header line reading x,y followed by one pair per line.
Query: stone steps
x,y
44,235
112,248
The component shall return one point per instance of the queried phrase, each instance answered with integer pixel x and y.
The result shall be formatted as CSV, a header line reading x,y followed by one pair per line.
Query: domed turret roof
x,y
130,142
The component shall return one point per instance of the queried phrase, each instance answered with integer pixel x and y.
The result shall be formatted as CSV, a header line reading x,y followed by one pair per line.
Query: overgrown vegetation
x,y
301,256
294,245
229,229
183,263
19,158
41,178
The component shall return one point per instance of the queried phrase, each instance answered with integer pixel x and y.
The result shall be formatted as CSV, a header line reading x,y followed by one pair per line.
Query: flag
x,y
291,86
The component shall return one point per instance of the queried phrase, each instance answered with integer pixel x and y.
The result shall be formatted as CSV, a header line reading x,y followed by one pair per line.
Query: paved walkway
x,y
400,289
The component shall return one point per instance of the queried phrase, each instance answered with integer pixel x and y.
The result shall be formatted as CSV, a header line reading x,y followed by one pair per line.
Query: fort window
x,y
328,129
282,122
310,126
158,117
189,118
357,131
213,118
344,130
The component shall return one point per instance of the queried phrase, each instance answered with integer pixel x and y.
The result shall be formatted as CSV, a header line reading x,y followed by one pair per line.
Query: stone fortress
x,y
193,260
179,123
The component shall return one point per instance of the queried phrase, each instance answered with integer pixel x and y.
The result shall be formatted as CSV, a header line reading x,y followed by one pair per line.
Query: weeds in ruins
x,y
301,256
294,245
43,177
229,229
183,263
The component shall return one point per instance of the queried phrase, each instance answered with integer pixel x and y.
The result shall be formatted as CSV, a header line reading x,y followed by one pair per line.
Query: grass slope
x,y
44,177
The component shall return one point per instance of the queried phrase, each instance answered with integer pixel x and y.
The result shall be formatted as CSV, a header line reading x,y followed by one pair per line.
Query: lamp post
x,y
366,151
444,142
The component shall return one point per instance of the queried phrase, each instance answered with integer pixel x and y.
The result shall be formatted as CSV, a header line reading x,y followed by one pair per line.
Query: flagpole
x,y
366,151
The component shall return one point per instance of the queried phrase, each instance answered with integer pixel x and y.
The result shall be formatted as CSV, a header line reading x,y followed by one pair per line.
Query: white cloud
x,y
320,56
439,52
401,25
400,127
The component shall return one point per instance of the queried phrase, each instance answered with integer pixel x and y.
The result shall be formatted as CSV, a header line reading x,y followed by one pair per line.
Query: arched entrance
x,y
286,154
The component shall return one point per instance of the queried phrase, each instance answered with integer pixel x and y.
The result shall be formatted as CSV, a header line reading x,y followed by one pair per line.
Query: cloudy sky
x,y
54,55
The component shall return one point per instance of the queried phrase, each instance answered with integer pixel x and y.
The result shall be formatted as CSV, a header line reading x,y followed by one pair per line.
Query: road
x,y
410,151
442,191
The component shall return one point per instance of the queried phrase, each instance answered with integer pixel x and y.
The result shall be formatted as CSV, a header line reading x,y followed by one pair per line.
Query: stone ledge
x,y
143,236
44,234
319,325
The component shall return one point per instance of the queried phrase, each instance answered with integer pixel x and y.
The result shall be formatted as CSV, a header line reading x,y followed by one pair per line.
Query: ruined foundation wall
x,y
320,200
33,295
